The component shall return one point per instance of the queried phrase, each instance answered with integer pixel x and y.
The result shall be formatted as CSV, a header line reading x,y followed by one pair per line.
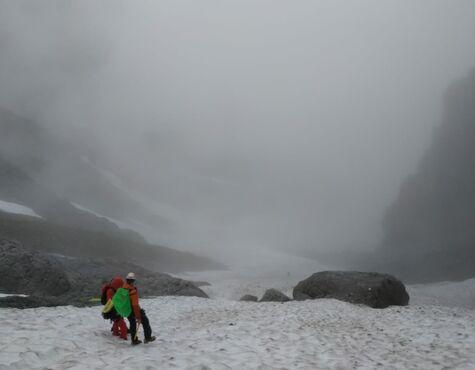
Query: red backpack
x,y
105,288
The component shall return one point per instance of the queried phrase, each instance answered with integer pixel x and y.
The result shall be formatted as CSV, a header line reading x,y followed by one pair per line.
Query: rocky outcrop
x,y
58,279
248,298
368,288
29,272
273,295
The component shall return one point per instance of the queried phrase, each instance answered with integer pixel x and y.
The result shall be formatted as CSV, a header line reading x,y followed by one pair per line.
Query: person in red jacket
x,y
119,328
138,315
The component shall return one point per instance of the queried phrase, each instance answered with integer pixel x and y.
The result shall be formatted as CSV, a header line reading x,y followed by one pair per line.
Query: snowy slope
x,y
146,231
219,333
255,270
16,208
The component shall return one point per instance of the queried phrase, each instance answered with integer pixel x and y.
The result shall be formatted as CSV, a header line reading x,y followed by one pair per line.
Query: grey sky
x,y
251,123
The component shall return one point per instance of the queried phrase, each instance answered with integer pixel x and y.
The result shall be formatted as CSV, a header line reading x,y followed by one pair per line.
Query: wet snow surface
x,y
196,333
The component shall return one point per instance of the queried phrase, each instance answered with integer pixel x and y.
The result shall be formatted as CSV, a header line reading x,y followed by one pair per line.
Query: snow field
x,y
195,333
446,293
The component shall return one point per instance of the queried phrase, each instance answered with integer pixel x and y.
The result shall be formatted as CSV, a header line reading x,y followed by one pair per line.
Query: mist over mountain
x,y
230,129
79,209
52,172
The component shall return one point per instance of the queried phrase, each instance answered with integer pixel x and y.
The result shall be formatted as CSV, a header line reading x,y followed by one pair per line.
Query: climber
x,y
119,328
137,316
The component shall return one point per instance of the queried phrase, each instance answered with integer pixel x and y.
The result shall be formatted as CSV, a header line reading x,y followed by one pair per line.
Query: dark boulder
x,y
368,288
273,295
248,298
29,272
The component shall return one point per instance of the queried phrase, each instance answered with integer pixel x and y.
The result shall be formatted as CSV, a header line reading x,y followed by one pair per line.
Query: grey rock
x,y
56,279
273,295
368,288
29,272
248,298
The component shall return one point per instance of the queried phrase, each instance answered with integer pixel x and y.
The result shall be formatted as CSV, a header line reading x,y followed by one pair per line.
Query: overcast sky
x,y
285,124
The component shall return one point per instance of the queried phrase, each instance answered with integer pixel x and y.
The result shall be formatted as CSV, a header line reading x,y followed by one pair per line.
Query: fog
x,y
250,124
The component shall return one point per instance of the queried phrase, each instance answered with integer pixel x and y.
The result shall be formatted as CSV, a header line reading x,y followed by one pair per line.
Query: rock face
x,y
273,295
368,288
52,279
248,298
429,232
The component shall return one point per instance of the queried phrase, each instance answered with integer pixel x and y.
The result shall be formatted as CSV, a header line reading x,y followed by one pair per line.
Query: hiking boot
x,y
136,341
151,339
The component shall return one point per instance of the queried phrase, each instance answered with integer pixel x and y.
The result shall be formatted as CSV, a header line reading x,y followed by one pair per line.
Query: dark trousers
x,y
145,323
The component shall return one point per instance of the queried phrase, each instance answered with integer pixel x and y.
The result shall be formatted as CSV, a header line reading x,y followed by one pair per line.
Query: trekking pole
x,y
137,332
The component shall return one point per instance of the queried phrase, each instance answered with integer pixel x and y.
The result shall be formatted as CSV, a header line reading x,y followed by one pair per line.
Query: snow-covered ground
x,y
451,294
10,207
221,333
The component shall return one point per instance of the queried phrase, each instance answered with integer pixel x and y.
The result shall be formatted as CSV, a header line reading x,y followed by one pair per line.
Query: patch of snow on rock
x,y
119,224
16,208
3,295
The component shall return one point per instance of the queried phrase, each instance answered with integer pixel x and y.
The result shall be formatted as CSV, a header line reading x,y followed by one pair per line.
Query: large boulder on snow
x,y
273,295
368,288
29,272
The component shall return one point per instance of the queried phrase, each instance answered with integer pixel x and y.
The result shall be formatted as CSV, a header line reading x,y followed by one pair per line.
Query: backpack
x,y
121,301
105,288
109,312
